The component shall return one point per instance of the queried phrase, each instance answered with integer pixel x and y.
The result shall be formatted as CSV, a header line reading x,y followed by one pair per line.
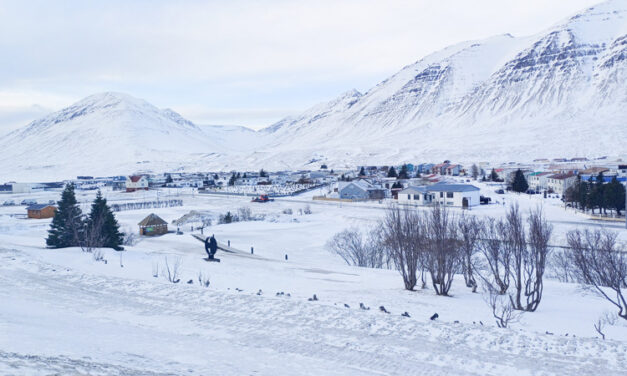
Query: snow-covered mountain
x,y
561,92
108,133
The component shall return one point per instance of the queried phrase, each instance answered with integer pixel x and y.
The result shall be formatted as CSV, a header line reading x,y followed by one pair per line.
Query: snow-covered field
x,y
61,312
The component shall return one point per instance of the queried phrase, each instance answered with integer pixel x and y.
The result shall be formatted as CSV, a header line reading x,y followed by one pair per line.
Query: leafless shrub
x,y
599,326
599,261
97,254
502,309
172,270
130,237
443,248
244,213
358,249
287,211
496,256
307,209
203,280
515,243
535,254
469,234
403,238
561,266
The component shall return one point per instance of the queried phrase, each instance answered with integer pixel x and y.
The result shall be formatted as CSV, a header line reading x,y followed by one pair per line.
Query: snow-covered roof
x,y
445,187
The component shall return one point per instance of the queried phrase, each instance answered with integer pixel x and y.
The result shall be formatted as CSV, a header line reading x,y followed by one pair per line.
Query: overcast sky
x,y
233,62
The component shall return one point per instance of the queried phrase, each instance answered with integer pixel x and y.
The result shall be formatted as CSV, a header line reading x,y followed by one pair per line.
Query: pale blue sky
x,y
233,62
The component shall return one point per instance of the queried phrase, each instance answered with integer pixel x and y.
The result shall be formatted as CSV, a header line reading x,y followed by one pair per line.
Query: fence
x,y
146,205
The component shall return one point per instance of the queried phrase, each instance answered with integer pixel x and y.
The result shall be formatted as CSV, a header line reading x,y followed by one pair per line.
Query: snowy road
x,y
101,324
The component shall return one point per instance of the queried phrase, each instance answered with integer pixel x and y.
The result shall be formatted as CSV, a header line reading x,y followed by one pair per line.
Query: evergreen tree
x,y
599,193
474,171
216,177
403,173
519,184
168,179
263,174
66,229
615,195
102,229
392,173
362,171
418,174
232,179
494,176
244,176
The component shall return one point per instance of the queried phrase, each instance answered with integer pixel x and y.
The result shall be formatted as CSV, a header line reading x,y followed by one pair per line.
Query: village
x,y
445,183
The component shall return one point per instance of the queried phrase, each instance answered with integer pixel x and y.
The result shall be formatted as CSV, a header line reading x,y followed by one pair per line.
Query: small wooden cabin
x,y
153,225
41,211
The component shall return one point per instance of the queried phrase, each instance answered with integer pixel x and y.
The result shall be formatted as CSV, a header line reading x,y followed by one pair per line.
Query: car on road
x,y
499,192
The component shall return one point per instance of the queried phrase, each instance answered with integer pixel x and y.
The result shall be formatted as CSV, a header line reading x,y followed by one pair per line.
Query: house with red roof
x,y
136,183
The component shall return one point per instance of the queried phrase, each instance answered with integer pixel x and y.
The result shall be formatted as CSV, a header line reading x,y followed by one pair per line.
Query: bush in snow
x,y
358,249
172,270
598,260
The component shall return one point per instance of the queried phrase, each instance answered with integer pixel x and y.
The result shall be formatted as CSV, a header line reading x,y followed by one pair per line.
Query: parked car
x,y
499,192
51,202
28,202
8,203
484,200
531,192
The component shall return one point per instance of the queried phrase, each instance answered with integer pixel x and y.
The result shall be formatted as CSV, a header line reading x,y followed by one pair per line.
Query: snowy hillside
x,y
502,98
108,133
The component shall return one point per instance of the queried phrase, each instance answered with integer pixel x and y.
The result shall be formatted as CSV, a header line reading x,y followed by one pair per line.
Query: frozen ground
x,y
61,312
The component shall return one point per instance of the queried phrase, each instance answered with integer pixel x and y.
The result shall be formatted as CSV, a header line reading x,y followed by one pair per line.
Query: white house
x,y
461,195
559,183
414,196
538,180
136,182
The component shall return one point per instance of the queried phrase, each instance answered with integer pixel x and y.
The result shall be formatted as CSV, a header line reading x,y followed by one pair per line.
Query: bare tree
x,y
402,236
358,249
502,309
497,257
601,262
561,266
244,213
172,271
515,243
442,248
469,234
534,260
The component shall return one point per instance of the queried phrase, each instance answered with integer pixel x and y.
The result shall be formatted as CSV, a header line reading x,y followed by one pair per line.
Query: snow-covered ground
x,y
61,312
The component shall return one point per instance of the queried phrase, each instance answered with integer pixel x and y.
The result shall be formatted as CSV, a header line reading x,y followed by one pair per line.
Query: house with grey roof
x,y
360,190
460,195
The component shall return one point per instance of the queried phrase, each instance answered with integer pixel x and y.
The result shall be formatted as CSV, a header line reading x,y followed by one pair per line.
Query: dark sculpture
x,y
211,247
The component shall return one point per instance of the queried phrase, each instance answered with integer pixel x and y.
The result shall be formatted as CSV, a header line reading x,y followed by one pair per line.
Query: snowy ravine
x,y
59,320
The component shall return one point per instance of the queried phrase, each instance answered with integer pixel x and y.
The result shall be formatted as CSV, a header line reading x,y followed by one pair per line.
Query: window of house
x,y
449,194
416,197
409,197
441,194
